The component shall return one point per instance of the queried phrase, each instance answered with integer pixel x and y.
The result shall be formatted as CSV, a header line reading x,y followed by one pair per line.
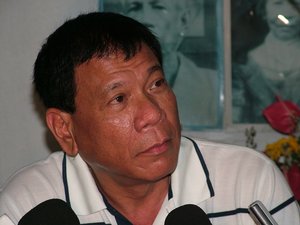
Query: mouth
x,y
157,149
282,21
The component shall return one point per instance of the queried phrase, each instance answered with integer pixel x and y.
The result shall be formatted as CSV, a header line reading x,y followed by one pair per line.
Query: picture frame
x,y
199,86
265,48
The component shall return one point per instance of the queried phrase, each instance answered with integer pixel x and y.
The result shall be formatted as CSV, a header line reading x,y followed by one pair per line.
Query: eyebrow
x,y
112,86
115,85
154,69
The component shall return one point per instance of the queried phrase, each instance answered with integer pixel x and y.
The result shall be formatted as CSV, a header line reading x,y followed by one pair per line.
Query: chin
x,y
163,171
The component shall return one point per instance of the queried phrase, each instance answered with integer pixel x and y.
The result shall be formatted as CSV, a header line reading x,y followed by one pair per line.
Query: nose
x,y
148,113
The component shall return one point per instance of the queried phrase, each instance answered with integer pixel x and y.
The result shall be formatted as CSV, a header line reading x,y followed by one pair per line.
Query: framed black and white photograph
x,y
265,56
190,33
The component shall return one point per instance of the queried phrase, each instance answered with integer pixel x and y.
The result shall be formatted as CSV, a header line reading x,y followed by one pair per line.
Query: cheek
x,y
271,15
171,29
96,145
120,129
171,100
170,106
94,133
272,11
118,122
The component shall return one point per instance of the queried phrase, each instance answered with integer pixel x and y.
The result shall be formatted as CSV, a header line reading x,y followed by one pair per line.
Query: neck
x,y
138,202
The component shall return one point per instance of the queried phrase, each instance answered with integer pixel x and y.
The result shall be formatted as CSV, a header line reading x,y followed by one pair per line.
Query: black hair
x,y
97,34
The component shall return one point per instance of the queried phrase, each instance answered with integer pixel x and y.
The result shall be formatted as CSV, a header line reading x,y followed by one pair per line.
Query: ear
x,y
60,124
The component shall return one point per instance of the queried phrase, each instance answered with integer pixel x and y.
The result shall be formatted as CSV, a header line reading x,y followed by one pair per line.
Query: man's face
x,y
163,17
279,28
126,122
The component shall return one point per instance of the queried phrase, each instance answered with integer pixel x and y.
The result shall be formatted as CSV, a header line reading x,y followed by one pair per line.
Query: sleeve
x,y
30,186
5,220
16,199
277,196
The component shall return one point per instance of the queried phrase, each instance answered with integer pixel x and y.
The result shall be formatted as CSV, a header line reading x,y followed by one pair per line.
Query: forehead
x,y
114,62
100,76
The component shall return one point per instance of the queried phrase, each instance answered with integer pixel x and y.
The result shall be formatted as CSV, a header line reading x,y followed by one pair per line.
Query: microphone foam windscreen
x,y
187,215
50,212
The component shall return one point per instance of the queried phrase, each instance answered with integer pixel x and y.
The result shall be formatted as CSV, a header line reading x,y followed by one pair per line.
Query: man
x,y
123,161
194,87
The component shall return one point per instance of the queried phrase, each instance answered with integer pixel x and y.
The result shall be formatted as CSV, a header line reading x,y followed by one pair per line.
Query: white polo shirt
x,y
222,179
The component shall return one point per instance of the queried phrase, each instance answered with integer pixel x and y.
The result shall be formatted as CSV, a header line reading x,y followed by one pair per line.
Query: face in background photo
x,y
169,20
166,18
283,18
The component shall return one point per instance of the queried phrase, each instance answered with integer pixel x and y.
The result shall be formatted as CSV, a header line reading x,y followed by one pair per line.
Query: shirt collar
x,y
190,181
84,195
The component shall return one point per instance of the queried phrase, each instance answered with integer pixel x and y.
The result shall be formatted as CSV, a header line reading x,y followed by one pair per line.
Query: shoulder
x,y
240,176
32,185
211,147
229,155
192,78
35,174
239,161
257,52
234,167
187,65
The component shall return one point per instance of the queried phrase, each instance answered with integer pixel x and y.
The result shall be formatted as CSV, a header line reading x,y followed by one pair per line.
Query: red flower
x,y
283,116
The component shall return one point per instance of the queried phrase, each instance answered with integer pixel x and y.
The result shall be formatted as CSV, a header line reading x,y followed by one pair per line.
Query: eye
x,y
118,99
133,7
158,83
158,6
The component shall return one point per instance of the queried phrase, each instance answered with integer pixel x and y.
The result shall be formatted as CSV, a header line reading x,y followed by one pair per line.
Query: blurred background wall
x,y
24,25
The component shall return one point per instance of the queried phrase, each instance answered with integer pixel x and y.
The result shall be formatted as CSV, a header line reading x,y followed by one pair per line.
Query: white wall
x,y
24,24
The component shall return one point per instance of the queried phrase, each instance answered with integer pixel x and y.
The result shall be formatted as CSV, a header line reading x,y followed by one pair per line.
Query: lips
x,y
157,149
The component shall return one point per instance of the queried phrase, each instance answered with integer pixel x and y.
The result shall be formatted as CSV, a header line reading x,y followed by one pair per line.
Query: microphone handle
x,y
260,214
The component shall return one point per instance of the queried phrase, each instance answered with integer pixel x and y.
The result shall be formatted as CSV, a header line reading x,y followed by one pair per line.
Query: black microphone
x,y
187,215
50,212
